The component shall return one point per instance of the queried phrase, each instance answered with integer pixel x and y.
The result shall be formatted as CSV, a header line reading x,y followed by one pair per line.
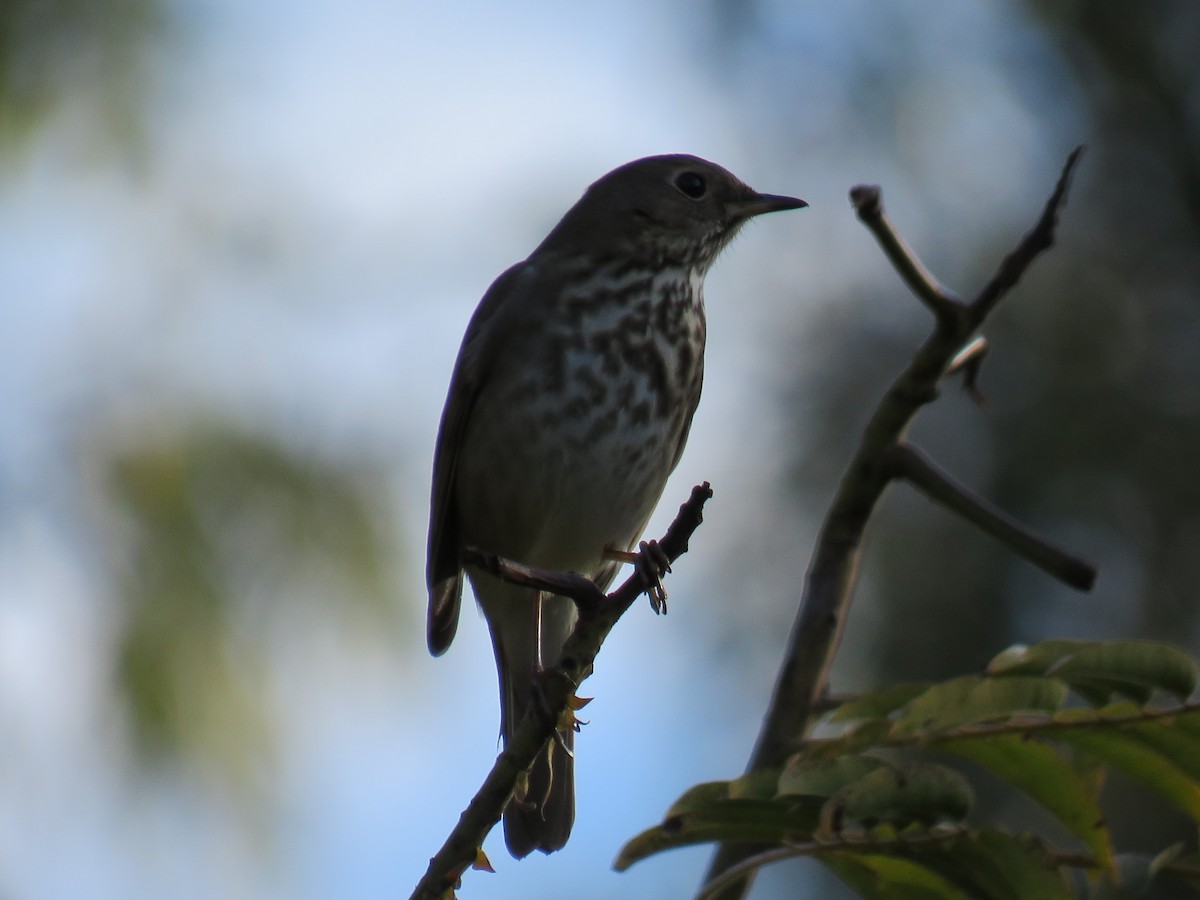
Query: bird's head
x,y
665,209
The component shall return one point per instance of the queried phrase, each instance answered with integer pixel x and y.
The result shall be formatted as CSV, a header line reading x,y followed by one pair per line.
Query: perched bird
x,y
568,408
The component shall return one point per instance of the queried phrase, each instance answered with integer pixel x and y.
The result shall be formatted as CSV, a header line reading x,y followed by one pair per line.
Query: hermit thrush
x,y
568,408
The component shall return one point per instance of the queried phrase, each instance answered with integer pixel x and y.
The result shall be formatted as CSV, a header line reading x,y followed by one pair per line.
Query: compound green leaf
x,y
703,819
1125,750
878,704
1133,668
974,698
899,794
880,877
1045,775
823,777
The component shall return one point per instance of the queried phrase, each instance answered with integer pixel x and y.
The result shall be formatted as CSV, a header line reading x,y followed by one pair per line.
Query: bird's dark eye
x,y
691,183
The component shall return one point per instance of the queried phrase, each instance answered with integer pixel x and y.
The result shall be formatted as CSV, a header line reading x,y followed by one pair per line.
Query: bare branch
x,y
557,686
1037,240
833,570
867,200
909,463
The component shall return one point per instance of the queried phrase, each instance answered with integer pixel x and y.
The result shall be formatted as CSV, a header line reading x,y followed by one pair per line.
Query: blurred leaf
x,y
706,814
992,863
763,785
976,698
862,736
1133,668
1099,669
878,704
1042,773
922,793
1126,749
219,523
52,51
824,777
979,864
699,798
879,877
902,818
1022,659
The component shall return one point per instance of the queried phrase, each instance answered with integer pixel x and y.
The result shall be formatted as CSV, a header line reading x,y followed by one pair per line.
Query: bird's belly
x,y
560,479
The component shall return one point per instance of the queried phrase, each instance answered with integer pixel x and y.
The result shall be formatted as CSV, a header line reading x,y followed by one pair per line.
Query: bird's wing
x,y
443,573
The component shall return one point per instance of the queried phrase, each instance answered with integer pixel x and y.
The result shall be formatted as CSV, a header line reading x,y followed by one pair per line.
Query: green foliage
x,y
1049,720
54,51
223,533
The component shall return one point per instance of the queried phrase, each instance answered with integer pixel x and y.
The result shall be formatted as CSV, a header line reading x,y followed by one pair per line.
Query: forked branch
x,y
882,456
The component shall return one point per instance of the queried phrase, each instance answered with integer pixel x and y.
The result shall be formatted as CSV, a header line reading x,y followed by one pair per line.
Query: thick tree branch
x,y
597,616
833,569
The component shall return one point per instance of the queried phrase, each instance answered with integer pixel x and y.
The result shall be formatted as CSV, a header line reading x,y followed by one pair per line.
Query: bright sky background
x,y
323,193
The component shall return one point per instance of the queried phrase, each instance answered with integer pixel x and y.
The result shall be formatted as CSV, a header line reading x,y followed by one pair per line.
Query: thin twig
x,y
909,463
867,200
1036,241
558,686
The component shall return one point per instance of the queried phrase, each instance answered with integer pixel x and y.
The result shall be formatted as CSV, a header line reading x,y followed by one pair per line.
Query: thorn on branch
x,y
969,361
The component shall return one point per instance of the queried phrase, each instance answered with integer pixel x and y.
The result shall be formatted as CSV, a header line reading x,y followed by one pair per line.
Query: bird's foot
x,y
651,563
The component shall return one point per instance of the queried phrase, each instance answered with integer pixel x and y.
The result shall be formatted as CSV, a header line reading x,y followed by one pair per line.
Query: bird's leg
x,y
537,632
651,564
542,672
521,792
566,721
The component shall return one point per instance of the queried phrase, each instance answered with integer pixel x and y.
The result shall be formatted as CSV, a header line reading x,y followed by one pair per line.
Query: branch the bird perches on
x,y
598,613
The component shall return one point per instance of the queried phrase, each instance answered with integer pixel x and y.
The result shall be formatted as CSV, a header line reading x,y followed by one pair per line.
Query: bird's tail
x,y
542,811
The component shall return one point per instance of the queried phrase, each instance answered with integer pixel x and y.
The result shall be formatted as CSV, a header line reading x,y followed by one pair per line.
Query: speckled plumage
x,y
568,408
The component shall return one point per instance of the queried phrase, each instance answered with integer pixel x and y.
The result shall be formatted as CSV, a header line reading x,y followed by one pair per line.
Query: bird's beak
x,y
758,204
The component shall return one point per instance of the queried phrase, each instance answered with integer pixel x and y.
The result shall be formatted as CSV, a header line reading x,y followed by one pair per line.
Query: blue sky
x,y
318,197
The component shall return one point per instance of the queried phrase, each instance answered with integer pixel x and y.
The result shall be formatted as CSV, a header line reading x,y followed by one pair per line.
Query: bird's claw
x,y
652,563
